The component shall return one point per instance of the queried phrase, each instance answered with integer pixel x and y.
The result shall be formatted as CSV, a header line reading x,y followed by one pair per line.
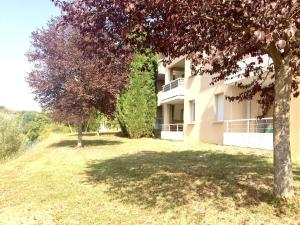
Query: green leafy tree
x,y
96,119
136,107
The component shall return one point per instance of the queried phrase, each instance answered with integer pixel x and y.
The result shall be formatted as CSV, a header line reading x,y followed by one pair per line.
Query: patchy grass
x,y
114,180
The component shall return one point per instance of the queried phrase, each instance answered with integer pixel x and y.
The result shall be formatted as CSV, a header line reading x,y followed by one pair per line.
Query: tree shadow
x,y
296,172
86,143
171,179
85,134
92,134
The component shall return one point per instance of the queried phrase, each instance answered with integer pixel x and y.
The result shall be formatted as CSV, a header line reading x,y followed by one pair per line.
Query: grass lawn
x,y
115,180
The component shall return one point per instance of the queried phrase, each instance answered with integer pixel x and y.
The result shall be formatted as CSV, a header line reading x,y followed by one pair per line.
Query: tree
x,y
68,82
95,122
33,124
136,107
221,33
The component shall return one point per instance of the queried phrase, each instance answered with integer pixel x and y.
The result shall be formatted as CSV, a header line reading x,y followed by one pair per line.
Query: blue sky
x,y
18,18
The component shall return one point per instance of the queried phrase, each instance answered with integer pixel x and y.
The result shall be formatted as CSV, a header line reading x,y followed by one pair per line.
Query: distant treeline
x,y
18,130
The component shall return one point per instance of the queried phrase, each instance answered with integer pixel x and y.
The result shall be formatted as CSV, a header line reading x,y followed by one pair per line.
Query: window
x,y
192,111
220,107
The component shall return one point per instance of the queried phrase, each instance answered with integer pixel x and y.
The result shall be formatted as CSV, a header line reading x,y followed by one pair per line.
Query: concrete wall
x,y
172,135
206,128
166,114
249,140
295,128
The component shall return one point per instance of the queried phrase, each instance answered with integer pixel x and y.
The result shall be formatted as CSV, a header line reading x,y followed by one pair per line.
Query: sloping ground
x,y
115,180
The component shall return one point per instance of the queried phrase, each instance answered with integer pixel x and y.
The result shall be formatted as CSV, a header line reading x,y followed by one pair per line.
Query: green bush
x,y
11,138
97,119
136,108
52,128
33,124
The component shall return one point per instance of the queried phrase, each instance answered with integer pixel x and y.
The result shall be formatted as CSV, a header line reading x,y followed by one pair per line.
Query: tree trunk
x,y
79,144
283,178
70,128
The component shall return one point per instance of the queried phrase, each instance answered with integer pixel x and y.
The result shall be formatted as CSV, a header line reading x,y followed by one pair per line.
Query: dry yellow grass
x,y
114,180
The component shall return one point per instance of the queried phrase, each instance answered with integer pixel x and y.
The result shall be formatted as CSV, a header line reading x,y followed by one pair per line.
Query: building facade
x,y
190,109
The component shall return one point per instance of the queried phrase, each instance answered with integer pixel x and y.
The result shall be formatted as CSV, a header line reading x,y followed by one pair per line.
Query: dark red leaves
x,y
226,32
70,81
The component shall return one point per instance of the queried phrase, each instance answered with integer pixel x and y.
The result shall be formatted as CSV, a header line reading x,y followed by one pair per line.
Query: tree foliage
x,y
221,33
11,137
136,108
33,123
68,82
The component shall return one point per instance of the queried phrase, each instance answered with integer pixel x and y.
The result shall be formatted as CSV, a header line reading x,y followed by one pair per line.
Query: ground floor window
x,y
220,99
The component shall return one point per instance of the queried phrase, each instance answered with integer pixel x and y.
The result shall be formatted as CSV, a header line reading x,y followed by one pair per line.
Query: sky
x,y
18,18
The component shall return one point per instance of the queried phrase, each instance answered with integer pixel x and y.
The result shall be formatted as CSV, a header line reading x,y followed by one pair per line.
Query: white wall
x,y
249,140
175,93
172,135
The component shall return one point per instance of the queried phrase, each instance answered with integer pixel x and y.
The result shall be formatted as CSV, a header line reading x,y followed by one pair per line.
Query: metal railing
x,y
264,125
236,77
172,127
173,84
240,75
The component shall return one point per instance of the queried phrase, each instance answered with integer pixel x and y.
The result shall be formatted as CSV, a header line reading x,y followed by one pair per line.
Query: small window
x,y
192,111
220,107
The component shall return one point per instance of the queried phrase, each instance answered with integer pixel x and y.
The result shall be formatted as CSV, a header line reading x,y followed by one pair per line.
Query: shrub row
x,y
19,130
12,139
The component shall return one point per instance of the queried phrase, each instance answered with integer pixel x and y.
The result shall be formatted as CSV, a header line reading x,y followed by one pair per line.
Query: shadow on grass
x,y
296,172
88,134
86,143
84,134
172,179
92,134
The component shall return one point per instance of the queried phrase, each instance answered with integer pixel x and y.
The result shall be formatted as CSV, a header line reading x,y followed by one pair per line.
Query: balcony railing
x,y
174,91
240,77
173,84
172,127
237,77
264,125
172,132
249,133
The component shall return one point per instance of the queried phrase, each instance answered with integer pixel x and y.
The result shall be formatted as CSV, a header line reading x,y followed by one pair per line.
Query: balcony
x,y
239,77
172,93
250,133
172,131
